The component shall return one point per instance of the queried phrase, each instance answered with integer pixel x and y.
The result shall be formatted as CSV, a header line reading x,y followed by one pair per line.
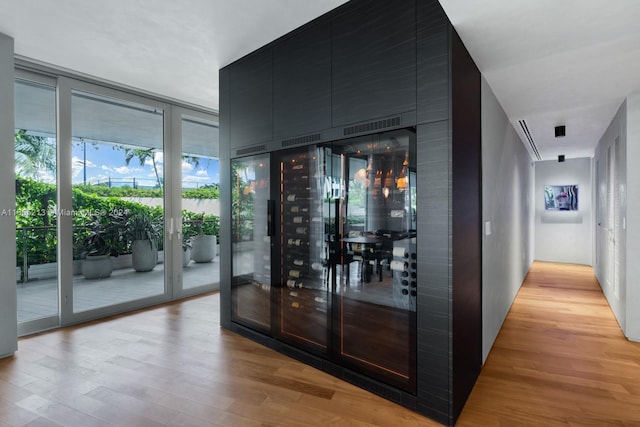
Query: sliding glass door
x,y
117,203
36,203
118,199
199,201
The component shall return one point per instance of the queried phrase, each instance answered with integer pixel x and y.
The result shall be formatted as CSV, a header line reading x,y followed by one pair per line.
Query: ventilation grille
x,y
248,150
368,127
301,140
527,134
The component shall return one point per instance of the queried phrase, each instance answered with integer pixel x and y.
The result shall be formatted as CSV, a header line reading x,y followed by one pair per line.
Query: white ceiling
x,y
549,62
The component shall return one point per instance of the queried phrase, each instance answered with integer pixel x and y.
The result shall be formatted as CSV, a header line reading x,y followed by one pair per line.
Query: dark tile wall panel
x,y
433,63
251,99
373,60
302,81
434,269
467,224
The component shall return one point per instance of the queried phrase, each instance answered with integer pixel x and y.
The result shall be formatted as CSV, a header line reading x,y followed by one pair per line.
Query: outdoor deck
x,y
39,298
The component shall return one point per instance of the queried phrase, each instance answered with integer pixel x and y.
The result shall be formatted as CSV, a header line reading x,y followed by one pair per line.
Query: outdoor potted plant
x,y
143,234
203,244
186,251
98,246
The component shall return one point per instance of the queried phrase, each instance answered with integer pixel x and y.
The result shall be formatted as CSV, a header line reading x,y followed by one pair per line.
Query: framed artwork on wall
x,y
561,197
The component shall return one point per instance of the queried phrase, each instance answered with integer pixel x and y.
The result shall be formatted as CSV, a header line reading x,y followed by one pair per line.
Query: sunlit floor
x,y
39,298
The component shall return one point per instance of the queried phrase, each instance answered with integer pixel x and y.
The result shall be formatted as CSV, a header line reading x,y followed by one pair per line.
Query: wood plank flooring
x,y
560,359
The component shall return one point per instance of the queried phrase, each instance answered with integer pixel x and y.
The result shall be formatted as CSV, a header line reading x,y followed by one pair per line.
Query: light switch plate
x,y
487,228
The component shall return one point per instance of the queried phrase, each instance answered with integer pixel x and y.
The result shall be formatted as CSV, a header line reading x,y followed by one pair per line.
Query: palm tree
x,y
34,155
143,155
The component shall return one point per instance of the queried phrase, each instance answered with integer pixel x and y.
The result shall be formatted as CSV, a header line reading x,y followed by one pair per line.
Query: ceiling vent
x,y
527,134
561,158
254,149
372,126
560,131
301,140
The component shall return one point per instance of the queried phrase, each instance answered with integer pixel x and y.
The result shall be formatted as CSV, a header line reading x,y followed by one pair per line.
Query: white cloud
x,y
106,168
186,166
202,172
123,170
77,166
46,176
193,178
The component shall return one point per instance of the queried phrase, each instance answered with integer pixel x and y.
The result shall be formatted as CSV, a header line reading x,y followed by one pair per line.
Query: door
x,y
324,252
373,184
610,235
196,207
302,278
112,207
36,169
252,233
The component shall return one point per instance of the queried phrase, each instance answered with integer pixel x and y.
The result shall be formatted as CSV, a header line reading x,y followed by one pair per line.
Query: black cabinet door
x,y
373,60
251,99
302,82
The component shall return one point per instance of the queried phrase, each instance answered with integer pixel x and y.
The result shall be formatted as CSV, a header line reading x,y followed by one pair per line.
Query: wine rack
x,y
301,223
302,270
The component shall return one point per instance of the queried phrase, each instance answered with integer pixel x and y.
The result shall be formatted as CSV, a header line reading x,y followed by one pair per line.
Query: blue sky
x,y
107,161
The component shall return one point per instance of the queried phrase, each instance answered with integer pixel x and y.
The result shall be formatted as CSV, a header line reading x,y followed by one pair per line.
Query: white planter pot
x,y
122,261
18,274
144,255
77,267
161,257
186,257
43,271
97,267
203,248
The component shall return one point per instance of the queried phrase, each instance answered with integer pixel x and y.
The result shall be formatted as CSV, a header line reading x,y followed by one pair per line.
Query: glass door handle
x,y
271,226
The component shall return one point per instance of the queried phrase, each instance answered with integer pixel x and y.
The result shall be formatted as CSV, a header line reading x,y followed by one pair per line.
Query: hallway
x,y
560,359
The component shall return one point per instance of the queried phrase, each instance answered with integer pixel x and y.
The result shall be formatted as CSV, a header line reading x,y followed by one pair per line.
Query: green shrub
x,y
37,214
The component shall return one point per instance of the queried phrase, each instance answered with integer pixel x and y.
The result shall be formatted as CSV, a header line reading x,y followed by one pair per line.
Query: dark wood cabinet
x,y
373,60
368,67
251,99
433,63
302,82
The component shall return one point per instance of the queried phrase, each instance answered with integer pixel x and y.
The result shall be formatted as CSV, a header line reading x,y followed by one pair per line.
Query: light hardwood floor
x,y
560,359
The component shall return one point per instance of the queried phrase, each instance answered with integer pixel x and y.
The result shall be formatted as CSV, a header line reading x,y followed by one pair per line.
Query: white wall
x,y
507,191
564,236
632,330
8,304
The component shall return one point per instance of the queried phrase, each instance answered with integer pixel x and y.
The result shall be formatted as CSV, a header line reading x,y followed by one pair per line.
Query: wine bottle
x,y
291,198
301,230
294,284
294,273
298,219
